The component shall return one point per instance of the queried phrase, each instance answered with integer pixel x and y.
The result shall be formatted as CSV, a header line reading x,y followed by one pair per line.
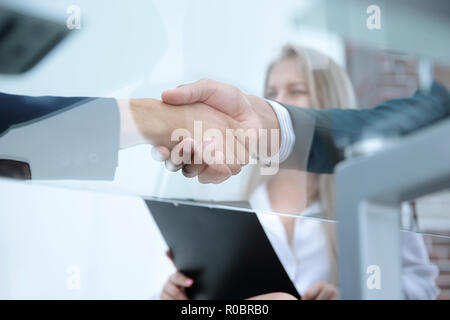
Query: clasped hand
x,y
208,129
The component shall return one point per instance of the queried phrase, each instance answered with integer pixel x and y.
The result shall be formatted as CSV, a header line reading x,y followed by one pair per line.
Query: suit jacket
x,y
61,138
78,138
322,135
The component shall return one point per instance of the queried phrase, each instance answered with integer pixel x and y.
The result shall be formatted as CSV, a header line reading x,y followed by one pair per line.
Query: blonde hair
x,y
329,87
328,83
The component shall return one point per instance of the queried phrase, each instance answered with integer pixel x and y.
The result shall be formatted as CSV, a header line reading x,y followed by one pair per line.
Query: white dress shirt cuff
x,y
286,128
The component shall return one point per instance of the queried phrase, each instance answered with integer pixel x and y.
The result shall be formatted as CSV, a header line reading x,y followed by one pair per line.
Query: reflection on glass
x,y
306,247
308,255
91,233
303,77
15,169
418,273
429,215
439,249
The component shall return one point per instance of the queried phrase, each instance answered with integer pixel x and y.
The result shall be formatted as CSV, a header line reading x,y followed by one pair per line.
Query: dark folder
x,y
224,249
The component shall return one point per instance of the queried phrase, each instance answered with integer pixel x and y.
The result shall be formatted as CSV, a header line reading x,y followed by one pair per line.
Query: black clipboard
x,y
222,247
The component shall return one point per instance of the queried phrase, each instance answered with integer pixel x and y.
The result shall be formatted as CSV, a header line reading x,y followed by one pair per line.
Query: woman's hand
x,y
274,296
175,286
320,290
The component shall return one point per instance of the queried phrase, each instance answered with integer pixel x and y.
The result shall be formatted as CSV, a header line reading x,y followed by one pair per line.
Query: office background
x,y
138,50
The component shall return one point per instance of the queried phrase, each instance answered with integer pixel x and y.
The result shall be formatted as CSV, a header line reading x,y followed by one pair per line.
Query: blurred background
x,y
136,48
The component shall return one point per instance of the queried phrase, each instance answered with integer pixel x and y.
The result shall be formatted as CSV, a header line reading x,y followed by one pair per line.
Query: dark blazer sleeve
x,y
61,138
322,135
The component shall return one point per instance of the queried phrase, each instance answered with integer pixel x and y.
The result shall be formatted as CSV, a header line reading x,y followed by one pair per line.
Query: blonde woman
x,y
307,247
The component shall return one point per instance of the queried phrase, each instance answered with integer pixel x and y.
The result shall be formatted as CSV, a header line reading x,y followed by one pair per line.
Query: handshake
x,y
207,129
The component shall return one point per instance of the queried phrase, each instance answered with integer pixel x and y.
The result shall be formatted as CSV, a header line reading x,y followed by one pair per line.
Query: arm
x,y
323,134
320,135
79,138
55,135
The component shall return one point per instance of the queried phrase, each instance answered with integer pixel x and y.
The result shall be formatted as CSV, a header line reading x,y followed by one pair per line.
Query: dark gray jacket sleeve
x,y
322,135
79,141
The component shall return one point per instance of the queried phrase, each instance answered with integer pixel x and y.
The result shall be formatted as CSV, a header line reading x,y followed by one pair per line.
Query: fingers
x,y
183,155
160,153
175,159
274,296
194,170
215,173
174,289
181,280
217,170
327,294
170,166
199,91
313,291
320,291
234,104
173,292
220,96
212,167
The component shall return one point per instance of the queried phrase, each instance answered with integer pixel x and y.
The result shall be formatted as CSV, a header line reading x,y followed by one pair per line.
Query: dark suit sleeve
x,y
61,138
322,135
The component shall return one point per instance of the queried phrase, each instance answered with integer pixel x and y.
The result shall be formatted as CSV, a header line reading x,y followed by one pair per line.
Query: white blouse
x,y
310,257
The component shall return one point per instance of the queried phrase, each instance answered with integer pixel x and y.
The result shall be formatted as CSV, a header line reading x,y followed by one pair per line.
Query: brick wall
x,y
439,250
379,76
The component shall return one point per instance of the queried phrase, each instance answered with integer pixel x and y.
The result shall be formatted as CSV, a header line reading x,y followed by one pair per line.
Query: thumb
x,y
199,91
220,96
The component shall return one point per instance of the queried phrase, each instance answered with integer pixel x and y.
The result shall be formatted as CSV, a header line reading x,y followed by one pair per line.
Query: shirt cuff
x,y
286,128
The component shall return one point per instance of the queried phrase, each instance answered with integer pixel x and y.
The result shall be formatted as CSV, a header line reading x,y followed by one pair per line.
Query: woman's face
x,y
287,84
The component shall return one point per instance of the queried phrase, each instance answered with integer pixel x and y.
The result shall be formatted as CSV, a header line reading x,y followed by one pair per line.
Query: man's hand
x,y
175,127
249,112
